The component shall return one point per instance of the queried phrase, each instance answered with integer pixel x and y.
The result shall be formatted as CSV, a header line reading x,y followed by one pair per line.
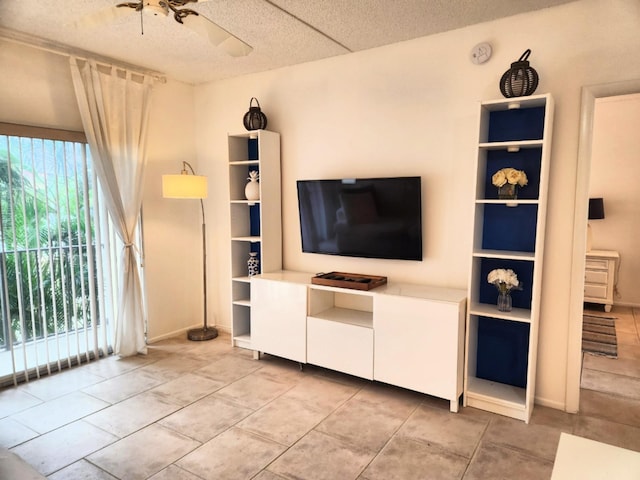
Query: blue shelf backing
x,y
254,210
254,220
252,147
516,124
503,349
489,293
509,228
527,159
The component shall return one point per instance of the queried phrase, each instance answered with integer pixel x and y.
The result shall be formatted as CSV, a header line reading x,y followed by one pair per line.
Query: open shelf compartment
x,y
496,397
352,307
502,227
243,147
238,178
486,293
497,366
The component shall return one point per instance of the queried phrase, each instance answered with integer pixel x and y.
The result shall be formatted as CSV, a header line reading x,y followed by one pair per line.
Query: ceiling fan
x,y
217,35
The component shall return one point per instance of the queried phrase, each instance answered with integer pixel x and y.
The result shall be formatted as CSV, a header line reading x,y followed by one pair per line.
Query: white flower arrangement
x,y
505,280
509,175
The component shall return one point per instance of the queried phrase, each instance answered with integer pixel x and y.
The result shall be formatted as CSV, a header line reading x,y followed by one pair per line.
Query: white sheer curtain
x,y
114,106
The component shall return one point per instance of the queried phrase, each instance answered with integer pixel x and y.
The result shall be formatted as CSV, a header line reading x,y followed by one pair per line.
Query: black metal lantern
x,y
254,119
520,80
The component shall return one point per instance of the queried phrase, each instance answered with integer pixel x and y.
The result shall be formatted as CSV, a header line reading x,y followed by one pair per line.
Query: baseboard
x,y
183,332
545,402
175,333
626,304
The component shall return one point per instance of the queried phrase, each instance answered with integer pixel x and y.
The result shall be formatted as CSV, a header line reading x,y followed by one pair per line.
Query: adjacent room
x,y
304,240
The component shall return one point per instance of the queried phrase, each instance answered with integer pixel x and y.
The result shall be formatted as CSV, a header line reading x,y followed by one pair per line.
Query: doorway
x,y
615,147
589,96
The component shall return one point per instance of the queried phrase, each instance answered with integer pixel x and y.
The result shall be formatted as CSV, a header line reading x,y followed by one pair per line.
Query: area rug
x,y
599,336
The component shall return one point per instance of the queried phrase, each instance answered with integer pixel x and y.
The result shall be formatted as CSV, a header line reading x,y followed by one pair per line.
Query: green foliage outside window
x,y
44,238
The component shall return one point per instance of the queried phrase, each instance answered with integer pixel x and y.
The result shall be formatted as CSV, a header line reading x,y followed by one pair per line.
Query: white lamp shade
x,y
184,186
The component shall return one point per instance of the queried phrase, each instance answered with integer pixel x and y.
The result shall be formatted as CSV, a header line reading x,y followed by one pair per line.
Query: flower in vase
x,y
504,279
499,178
511,176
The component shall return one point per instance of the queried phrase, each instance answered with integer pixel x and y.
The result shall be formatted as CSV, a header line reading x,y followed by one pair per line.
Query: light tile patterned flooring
x,y
191,411
620,376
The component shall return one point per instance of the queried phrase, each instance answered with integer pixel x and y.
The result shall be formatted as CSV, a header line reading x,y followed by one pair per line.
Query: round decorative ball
x,y
520,80
254,119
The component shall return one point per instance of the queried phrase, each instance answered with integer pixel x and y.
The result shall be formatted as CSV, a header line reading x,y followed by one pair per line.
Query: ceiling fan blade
x,y
235,47
217,35
102,17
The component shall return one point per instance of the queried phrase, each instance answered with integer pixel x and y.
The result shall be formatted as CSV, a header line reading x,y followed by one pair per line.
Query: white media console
x,y
407,335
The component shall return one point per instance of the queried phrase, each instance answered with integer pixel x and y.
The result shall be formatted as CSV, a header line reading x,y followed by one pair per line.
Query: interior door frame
x,y
574,348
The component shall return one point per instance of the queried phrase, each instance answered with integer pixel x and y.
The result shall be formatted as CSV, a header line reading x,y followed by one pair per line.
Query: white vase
x,y
252,190
253,264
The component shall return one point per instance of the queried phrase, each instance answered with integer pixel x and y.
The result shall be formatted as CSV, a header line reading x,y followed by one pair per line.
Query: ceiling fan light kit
x,y
193,20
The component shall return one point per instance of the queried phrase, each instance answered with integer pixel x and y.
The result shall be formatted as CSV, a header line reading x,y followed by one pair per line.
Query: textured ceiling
x,y
281,32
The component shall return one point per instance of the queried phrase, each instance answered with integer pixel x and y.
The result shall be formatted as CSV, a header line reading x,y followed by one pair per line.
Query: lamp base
x,y
200,334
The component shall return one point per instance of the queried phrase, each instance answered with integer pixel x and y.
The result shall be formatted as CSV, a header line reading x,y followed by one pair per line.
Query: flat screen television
x,y
364,217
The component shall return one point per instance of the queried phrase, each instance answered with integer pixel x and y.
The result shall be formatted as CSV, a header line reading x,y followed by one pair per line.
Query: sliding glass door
x,y
57,255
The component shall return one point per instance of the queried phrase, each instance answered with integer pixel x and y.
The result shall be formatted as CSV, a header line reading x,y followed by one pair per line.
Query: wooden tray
x,y
349,280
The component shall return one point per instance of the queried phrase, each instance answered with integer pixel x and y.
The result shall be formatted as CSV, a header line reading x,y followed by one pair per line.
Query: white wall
x,y
615,170
173,242
411,108
36,89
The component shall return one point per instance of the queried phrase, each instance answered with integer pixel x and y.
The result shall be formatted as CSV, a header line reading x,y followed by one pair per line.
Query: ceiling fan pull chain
x,y
141,22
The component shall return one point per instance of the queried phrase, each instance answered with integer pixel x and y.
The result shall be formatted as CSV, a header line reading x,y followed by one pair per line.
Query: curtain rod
x,y
67,51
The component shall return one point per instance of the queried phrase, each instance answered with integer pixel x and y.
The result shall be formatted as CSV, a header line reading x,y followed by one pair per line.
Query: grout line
x,y
295,381
391,437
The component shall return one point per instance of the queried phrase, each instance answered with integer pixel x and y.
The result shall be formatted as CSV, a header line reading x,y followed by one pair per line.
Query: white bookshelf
x,y
256,225
501,347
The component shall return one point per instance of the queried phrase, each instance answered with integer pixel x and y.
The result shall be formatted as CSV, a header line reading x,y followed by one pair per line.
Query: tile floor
x,y
190,411
611,387
621,375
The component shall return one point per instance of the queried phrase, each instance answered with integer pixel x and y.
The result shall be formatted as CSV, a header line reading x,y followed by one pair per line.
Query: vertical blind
x,y
58,255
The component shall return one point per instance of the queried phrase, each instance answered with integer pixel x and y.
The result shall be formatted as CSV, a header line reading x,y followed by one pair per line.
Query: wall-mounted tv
x,y
363,217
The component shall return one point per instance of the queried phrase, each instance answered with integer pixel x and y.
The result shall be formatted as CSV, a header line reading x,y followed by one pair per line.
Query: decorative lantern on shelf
x,y
254,119
520,80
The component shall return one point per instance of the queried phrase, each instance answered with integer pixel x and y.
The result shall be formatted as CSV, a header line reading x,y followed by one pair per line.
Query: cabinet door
x,y
278,318
419,345
340,346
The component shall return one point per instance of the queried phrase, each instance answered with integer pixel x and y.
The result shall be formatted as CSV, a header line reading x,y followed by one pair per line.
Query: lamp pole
x,y
206,332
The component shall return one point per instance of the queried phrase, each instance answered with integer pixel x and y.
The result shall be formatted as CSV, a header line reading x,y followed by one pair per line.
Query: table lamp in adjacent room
x,y
596,212
191,186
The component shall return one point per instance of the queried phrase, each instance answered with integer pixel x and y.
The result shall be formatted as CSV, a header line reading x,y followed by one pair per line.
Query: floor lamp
x,y
192,186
